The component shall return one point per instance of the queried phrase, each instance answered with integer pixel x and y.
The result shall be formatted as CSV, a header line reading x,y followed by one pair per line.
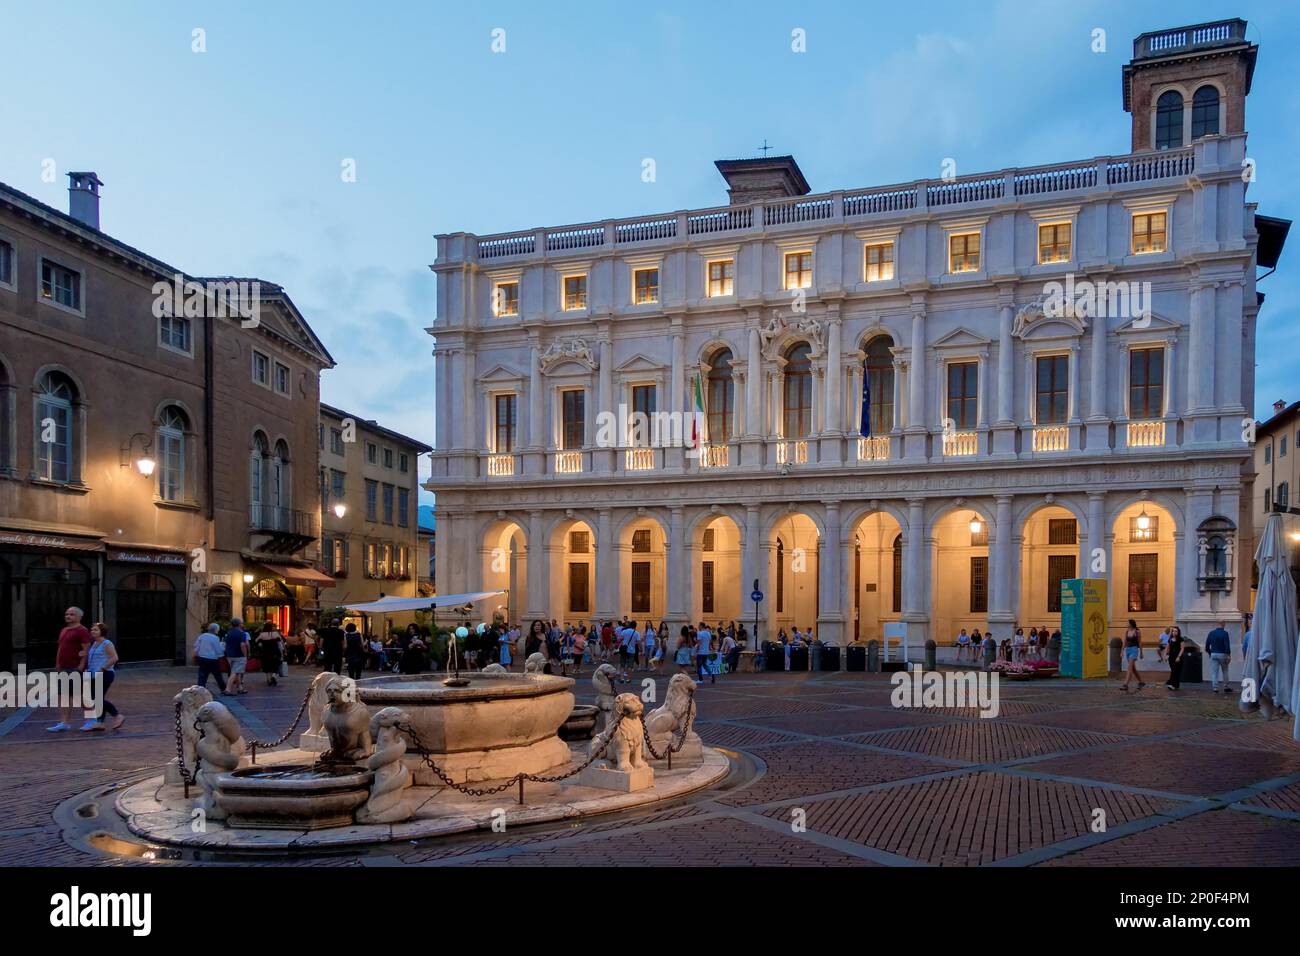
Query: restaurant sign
x,y
24,539
148,557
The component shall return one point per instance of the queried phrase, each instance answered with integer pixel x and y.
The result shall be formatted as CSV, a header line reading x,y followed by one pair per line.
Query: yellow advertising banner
x,y
1084,632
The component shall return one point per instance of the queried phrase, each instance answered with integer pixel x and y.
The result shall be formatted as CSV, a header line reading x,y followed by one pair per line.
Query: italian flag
x,y
697,422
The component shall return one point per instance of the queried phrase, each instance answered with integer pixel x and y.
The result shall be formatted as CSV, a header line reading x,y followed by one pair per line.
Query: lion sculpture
x,y
602,679
626,751
219,748
314,738
190,700
347,723
536,664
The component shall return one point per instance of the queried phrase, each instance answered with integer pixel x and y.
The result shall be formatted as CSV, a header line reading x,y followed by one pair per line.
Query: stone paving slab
x,y
985,741
1217,838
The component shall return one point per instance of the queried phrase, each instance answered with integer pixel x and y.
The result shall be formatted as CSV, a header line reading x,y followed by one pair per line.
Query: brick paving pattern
x,y
820,741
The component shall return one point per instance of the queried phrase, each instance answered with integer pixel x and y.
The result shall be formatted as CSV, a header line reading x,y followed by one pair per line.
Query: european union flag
x,y
865,427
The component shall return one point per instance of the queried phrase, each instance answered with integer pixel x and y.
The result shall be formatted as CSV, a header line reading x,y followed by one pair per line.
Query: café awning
x,y
307,577
395,605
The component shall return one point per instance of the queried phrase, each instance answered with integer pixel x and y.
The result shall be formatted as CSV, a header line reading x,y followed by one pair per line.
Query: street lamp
x,y
248,579
340,509
1144,520
145,462
976,526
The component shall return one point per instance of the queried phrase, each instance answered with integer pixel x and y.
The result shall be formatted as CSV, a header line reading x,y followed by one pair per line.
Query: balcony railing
x,y
873,449
1052,438
961,444
1165,42
265,519
792,453
715,456
639,459
1001,186
568,462
500,466
1146,434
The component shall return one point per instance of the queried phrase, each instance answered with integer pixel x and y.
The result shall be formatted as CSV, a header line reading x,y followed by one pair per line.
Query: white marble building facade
x,y
1009,445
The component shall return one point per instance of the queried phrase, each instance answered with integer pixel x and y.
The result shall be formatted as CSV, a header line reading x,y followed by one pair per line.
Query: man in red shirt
x,y
71,657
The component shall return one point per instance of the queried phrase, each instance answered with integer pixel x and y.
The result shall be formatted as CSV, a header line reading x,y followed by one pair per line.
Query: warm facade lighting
x,y
976,526
1144,521
248,579
146,465
340,509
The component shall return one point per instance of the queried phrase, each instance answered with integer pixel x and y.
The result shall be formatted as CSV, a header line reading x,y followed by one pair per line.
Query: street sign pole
x,y
756,596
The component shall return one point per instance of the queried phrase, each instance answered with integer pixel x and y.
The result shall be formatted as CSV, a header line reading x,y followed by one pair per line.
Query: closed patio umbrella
x,y
1271,657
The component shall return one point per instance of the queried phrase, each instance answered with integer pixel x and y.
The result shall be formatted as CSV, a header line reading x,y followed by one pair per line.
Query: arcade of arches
x,y
847,568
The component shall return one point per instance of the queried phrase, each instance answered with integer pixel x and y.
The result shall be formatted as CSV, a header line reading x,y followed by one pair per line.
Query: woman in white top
x,y
649,640
1018,644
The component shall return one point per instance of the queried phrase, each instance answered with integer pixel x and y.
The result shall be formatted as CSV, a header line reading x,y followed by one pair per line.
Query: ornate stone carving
x,y
568,350
602,679
347,723
495,669
536,663
313,739
626,750
777,328
391,775
191,699
675,720
219,748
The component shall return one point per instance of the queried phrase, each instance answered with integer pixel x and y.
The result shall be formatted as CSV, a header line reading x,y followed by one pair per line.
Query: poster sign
x,y
1084,631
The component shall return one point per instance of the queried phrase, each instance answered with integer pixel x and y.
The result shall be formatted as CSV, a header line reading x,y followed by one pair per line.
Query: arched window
x,y
55,428
720,397
172,426
1205,112
281,488
256,490
898,574
1169,120
879,372
798,392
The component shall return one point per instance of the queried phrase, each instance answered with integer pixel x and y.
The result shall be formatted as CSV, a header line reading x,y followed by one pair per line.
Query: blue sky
x,y
228,161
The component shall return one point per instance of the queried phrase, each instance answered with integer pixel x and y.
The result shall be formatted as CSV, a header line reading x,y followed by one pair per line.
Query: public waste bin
x,y
774,655
1193,664
830,658
856,657
799,658
815,651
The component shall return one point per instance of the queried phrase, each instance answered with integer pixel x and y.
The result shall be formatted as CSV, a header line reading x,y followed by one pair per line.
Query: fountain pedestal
x,y
293,796
626,781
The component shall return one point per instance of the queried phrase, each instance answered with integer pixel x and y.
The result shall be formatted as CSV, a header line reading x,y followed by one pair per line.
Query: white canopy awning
x,y
395,605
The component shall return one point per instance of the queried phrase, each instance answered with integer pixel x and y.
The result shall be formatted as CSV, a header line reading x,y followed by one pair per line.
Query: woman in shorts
x,y
1132,654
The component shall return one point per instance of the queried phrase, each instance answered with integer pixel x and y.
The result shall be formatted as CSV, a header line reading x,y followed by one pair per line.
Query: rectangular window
x,y
641,541
579,542
709,539
174,333
645,286
372,560
1054,242
282,378
798,270
388,458
722,275
1059,568
879,262
964,252
6,263
643,404
324,489
573,430
261,368
336,441
339,555
505,298
372,500
1148,232
1062,531
372,453
505,424
388,504
963,394
1053,389
575,292
979,585
386,561
1281,447
1283,496
1146,379
1268,499
403,507
706,598
1142,582
403,464
640,587
579,576
337,481
60,284
1268,454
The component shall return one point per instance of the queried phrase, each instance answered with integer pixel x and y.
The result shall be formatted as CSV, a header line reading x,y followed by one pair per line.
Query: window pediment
x,y
962,338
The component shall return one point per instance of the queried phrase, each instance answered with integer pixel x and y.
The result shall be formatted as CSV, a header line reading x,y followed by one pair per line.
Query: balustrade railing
x,y
639,459
1052,438
1146,434
500,466
715,456
873,449
568,462
961,444
792,453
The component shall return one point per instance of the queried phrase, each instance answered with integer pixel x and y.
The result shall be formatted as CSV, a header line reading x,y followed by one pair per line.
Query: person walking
x,y
354,650
331,647
703,647
70,657
101,658
1132,654
208,651
237,646
1175,652
270,652
1219,647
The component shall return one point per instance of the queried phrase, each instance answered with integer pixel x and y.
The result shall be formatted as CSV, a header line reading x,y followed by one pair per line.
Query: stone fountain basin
x,y
293,796
492,712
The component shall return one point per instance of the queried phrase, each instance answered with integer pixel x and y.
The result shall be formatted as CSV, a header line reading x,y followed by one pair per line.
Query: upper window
x,y
879,384
1205,112
643,411
172,426
1146,374
388,458
1053,389
1283,497
505,415
372,453
722,276
174,333
575,292
720,398
282,378
60,284
573,419
403,507
388,503
338,483
798,270
403,464
336,441
55,445
261,368
964,252
645,286
6,263
372,500
505,298
798,392
963,394
1268,456
1054,242
1169,120
1149,232
1281,447
878,262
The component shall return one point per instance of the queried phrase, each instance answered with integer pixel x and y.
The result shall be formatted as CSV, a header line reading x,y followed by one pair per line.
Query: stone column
x,y
675,458
751,446
1195,613
752,568
535,453
833,417
830,618
1097,538
1200,366
1004,428
915,438
915,605
539,586
1000,585
607,569
604,459
676,601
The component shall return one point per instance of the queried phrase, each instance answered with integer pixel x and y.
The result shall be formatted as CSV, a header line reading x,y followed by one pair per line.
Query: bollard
x,y
931,654
873,656
1116,656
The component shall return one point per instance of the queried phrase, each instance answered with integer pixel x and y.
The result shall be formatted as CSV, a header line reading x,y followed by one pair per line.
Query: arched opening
x,y
875,575
573,572
1049,554
1205,112
1143,559
56,429
257,503
793,573
642,583
1169,120
717,590
878,369
798,409
221,604
172,428
720,400
960,585
281,487
505,568
145,623
269,600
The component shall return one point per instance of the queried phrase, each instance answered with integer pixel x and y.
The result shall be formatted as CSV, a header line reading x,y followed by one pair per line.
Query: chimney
x,y
1278,406
83,198
760,179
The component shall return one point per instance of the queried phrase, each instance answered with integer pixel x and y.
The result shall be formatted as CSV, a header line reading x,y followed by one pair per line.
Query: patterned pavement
x,y
1068,774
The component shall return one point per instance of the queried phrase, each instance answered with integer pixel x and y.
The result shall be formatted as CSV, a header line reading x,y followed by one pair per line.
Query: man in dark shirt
x,y
1219,646
237,643
332,640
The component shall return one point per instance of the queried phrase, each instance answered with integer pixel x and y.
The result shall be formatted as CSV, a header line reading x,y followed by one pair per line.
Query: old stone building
x,y
925,403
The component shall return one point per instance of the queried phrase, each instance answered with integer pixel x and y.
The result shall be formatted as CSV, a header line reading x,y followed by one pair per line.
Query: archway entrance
x,y
573,572
717,590
1049,554
875,574
959,558
269,600
54,583
1143,566
145,626
793,574
643,573
505,568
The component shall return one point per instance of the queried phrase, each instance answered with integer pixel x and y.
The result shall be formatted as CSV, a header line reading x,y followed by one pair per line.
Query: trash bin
x,y
1193,664
855,657
830,658
799,658
815,651
774,655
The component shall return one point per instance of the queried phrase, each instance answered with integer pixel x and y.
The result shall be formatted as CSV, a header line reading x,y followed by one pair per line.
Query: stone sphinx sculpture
x,y
602,679
347,723
219,749
313,739
675,720
536,663
386,803
190,699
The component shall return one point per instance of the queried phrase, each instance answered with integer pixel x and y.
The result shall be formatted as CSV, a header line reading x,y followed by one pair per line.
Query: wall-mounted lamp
x,y
976,526
1144,520
248,579
144,462
340,509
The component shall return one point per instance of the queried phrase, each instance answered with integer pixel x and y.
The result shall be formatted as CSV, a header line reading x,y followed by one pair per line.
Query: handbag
x,y
284,668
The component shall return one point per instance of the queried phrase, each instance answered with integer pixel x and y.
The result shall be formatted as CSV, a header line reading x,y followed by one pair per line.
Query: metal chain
x,y
681,741
180,751
265,745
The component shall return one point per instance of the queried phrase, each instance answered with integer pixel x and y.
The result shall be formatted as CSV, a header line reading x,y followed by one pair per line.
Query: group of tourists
x,y
1020,646
86,652
235,647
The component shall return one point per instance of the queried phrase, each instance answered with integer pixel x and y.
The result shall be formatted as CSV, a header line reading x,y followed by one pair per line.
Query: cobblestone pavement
x,y
1069,774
